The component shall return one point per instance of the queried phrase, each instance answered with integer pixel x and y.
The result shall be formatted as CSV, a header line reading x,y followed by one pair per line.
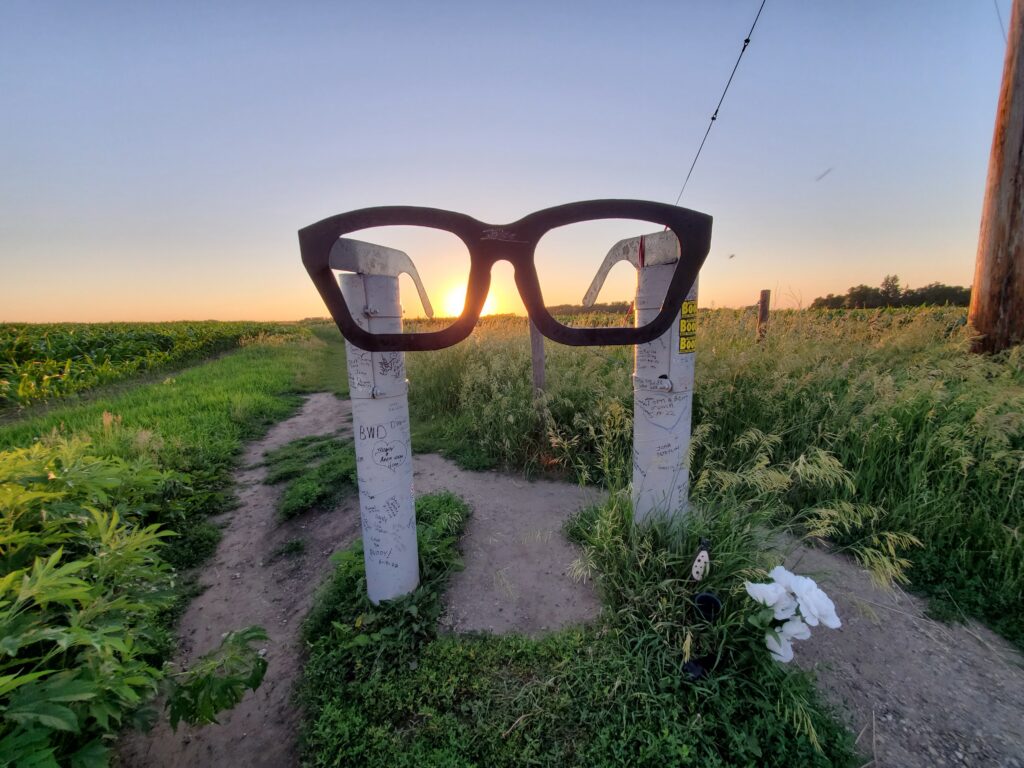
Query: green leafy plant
x,y
218,680
82,582
82,587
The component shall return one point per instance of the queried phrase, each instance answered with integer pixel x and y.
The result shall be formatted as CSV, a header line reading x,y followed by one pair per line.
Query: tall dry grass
x,y
931,437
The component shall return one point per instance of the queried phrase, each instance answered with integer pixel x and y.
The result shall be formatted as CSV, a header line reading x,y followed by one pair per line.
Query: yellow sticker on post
x,y
688,327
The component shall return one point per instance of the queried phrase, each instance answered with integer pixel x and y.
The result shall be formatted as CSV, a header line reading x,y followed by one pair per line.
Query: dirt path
x,y
516,580
245,584
517,559
919,693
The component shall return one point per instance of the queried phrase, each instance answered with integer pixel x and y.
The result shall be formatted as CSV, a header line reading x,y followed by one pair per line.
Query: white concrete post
x,y
662,401
380,427
380,416
662,378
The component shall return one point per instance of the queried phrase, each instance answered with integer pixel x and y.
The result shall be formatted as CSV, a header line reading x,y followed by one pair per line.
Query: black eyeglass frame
x,y
515,243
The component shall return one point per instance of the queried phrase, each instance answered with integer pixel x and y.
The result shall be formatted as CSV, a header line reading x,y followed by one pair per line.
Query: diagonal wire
x,y
999,14
714,116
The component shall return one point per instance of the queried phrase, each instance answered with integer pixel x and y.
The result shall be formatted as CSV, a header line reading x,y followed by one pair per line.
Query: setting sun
x,y
455,300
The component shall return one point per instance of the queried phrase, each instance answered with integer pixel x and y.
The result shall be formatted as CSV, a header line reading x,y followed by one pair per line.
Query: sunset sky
x,y
158,159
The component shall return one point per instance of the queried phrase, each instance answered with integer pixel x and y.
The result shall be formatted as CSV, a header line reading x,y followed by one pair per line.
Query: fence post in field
x,y
763,304
537,354
662,379
997,297
380,425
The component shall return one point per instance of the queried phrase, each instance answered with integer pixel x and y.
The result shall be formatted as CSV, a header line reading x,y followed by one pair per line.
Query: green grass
x,y
40,362
195,423
332,376
932,435
317,471
848,424
382,688
290,548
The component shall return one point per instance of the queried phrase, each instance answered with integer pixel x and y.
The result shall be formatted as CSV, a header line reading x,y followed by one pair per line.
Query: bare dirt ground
x,y
517,559
918,693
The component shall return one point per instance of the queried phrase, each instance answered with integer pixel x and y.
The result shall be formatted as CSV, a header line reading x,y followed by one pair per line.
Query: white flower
x,y
785,608
782,576
795,629
815,605
784,594
779,646
780,642
767,594
775,596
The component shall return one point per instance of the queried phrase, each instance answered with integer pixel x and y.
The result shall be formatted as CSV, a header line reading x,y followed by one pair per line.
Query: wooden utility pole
x,y
763,305
997,298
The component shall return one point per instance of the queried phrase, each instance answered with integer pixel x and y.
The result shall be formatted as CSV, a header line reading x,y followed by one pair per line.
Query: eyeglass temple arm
x,y
659,248
371,259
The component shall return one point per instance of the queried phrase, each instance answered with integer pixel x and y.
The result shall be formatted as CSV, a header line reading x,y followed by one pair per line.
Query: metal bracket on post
x,y
380,416
662,377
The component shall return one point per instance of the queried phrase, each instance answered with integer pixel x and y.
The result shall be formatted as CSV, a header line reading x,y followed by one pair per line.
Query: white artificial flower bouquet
x,y
792,605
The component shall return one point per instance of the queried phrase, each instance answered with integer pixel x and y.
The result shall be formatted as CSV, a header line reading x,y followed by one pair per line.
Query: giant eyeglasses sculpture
x,y
546,250
516,243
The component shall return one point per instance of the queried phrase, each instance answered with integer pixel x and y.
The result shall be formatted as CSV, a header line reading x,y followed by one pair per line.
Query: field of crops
x,y
44,362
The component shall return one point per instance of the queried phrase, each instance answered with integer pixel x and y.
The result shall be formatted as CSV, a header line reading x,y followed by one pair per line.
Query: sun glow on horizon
x,y
455,300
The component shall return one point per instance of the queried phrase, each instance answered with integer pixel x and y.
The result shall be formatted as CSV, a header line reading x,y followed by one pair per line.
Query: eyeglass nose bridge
x,y
516,251
512,249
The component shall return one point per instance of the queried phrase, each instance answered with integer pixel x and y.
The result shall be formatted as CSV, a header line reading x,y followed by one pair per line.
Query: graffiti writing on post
x,y
390,454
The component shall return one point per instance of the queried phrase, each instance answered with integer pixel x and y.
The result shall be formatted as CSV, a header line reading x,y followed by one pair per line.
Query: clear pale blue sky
x,y
157,158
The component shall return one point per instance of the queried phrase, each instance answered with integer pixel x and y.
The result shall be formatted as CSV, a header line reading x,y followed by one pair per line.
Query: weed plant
x,y
91,578
82,586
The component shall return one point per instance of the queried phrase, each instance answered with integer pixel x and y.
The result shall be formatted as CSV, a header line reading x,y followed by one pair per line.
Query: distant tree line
x,y
891,294
612,308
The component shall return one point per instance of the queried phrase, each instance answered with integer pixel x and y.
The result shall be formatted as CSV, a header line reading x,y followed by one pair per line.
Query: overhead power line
x,y
714,116
999,14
